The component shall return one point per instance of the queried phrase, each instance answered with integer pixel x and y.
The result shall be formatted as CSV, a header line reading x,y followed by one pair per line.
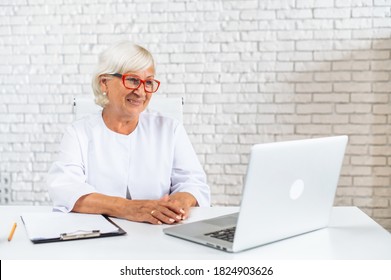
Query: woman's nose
x,y
140,91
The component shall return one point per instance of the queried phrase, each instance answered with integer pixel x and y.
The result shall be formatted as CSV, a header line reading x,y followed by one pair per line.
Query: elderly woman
x,y
124,162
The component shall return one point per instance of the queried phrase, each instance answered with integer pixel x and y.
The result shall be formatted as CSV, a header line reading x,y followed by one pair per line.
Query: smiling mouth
x,y
134,102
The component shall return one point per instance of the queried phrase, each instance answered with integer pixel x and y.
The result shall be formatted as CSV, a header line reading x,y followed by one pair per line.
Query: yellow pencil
x,y
12,232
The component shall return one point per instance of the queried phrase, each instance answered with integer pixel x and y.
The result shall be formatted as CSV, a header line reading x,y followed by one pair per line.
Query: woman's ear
x,y
103,83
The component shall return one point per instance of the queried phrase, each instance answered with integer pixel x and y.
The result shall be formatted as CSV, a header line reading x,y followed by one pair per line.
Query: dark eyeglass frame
x,y
124,76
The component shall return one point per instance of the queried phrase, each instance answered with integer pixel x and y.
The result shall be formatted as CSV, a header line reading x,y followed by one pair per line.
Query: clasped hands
x,y
167,210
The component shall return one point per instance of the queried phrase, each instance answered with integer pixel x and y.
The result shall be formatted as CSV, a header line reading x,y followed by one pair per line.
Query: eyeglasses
x,y
131,81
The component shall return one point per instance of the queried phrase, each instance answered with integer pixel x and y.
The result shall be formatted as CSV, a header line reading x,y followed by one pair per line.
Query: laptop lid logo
x,y
296,189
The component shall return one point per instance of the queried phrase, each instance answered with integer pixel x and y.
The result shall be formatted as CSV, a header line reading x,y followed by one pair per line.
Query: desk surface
x,y
351,235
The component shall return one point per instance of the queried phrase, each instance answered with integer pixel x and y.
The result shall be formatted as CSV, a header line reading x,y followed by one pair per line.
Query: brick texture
x,y
250,72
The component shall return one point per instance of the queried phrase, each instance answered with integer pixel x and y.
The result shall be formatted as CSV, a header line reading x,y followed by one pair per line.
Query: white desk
x,y
351,235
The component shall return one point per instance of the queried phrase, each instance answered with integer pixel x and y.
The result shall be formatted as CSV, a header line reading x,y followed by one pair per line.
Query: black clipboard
x,y
40,227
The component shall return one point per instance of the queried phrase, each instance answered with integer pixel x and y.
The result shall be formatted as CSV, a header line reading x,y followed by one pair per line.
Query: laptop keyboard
x,y
224,234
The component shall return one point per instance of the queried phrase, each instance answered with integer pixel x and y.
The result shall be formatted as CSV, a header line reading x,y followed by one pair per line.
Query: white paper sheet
x,y
51,225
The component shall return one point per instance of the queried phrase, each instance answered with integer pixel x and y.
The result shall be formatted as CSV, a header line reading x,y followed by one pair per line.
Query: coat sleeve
x,y
66,178
187,173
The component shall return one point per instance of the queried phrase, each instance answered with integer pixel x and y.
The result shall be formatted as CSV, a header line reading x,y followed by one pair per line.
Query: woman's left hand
x,y
184,200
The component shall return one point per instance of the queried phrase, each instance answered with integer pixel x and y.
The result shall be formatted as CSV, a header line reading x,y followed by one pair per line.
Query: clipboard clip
x,y
79,235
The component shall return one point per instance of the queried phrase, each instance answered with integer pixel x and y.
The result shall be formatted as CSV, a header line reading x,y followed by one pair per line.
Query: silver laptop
x,y
289,190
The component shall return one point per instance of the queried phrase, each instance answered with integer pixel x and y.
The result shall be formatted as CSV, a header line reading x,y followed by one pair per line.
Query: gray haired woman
x,y
125,162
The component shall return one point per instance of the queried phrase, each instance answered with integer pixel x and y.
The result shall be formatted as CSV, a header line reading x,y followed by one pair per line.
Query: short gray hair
x,y
120,58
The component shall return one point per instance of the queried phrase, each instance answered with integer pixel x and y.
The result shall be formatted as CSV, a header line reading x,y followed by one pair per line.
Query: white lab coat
x,y
157,158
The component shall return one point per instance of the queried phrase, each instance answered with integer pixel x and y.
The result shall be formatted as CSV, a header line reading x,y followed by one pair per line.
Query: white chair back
x,y
168,106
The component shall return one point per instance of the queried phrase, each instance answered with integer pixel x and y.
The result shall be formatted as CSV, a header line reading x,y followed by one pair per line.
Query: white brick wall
x,y
250,71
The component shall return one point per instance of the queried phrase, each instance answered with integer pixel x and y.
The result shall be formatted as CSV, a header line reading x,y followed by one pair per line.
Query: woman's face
x,y
127,102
